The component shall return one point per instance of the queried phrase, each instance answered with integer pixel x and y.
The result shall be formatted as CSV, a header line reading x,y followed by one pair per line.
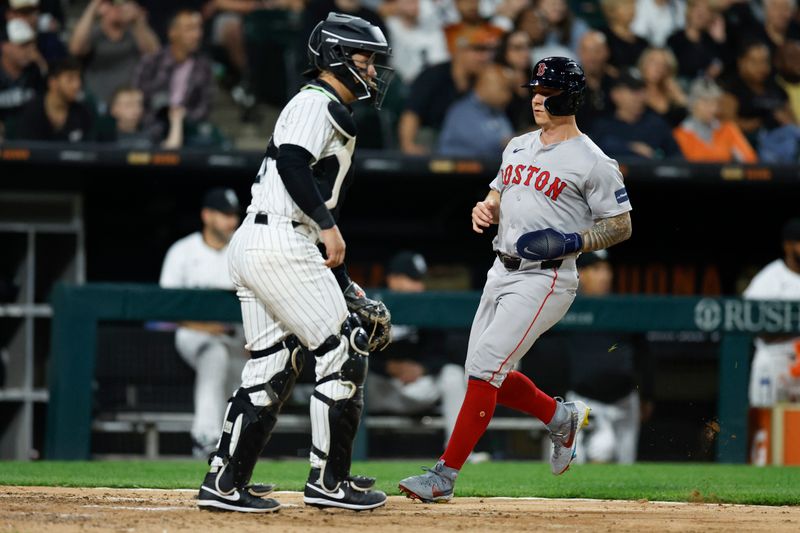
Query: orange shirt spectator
x,y
705,139
471,20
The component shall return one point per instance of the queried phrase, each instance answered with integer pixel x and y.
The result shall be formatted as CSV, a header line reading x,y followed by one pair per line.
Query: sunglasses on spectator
x,y
482,47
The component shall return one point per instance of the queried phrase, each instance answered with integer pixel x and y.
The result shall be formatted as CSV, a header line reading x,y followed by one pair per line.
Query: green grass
x,y
669,482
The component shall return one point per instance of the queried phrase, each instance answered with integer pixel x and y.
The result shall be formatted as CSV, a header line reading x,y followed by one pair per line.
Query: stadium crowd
x,y
699,80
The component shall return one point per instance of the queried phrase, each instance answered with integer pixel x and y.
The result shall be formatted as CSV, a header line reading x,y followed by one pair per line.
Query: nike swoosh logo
x,y
339,494
515,150
235,497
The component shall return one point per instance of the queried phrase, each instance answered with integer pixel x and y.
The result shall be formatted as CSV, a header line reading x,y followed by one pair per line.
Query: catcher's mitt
x,y
375,317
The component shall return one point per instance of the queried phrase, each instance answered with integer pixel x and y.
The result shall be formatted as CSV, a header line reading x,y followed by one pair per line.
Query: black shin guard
x,y
248,428
344,415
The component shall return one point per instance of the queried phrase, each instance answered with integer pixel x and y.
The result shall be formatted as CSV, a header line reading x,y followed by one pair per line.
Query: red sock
x,y
518,392
475,414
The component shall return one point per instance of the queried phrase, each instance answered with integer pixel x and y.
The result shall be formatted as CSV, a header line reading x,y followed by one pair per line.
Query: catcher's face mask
x,y
370,80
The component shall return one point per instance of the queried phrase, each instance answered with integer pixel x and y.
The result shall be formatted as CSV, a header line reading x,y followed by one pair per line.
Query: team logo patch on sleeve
x,y
622,195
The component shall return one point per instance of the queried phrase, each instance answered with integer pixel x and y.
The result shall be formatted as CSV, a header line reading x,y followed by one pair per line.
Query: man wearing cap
x,y
213,349
413,375
20,77
775,370
633,132
50,48
611,371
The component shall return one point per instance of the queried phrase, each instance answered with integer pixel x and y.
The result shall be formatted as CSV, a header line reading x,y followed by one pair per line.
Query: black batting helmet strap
x,y
331,46
564,74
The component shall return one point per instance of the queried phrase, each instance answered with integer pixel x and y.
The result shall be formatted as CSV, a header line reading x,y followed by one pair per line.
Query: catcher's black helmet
x,y
331,46
560,73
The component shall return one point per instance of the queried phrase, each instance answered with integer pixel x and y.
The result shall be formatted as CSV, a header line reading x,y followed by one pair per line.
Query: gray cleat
x,y
434,486
564,438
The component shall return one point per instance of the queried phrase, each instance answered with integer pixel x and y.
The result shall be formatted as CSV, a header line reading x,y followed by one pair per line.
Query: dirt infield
x,y
40,509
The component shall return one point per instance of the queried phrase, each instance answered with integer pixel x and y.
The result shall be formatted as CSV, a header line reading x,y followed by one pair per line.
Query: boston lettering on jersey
x,y
535,177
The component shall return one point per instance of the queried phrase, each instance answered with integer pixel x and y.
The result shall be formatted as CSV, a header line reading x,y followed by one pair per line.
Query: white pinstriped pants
x,y
284,287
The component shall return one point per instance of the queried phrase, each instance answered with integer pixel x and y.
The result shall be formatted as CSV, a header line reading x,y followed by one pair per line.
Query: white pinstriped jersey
x,y
303,122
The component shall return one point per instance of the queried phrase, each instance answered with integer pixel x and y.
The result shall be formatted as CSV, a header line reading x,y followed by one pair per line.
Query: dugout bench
x,y
152,424
77,310
143,389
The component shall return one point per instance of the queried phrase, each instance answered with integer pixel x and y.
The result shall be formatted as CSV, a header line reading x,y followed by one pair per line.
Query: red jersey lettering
x,y
518,174
531,172
555,189
541,180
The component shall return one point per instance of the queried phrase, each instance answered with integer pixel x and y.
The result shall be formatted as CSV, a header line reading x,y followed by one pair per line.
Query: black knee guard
x,y
247,428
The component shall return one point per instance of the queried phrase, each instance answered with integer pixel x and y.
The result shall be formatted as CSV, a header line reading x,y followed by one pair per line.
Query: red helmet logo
x,y
541,69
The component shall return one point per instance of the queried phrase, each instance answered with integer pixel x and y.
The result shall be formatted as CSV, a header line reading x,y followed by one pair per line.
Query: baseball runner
x,y
556,195
296,297
214,350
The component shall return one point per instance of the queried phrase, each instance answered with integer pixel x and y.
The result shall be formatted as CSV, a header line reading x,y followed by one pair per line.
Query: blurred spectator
x,y
45,26
698,51
470,20
663,93
227,32
566,29
775,355
503,13
656,20
779,24
703,138
123,125
215,350
317,10
633,132
612,372
533,22
161,13
476,125
58,115
753,99
20,78
593,57
515,53
413,375
178,76
624,45
51,13
787,64
438,86
417,42
111,37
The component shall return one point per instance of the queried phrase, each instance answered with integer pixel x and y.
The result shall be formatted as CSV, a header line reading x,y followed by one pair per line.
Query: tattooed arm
x,y
607,232
548,243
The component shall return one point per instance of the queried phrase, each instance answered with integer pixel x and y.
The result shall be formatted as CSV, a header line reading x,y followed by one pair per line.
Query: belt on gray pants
x,y
513,263
263,218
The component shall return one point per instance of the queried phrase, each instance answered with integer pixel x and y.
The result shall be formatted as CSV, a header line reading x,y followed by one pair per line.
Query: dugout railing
x,y
78,309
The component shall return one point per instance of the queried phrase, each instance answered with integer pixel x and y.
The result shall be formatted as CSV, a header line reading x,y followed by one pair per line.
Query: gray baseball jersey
x,y
566,186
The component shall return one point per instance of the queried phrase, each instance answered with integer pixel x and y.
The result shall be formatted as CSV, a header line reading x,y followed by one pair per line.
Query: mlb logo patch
x,y
621,195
